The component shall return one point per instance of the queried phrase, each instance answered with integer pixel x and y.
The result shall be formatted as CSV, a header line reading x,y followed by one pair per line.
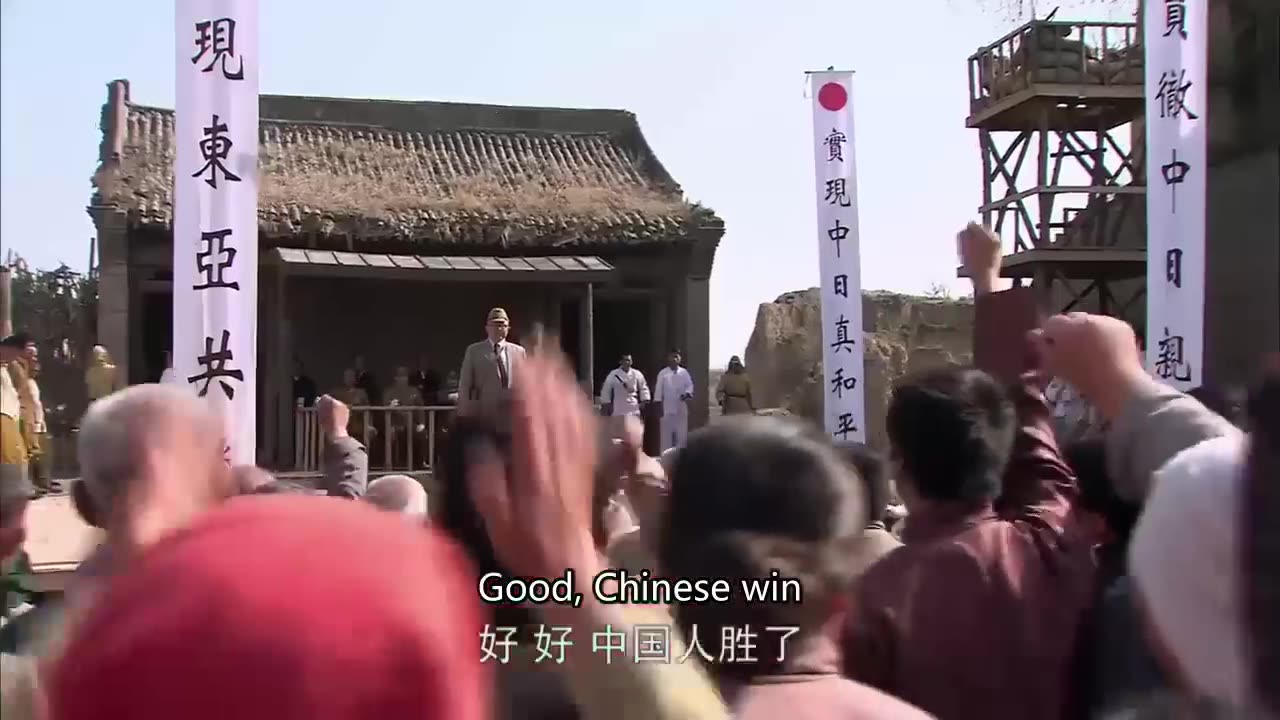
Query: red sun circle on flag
x,y
833,96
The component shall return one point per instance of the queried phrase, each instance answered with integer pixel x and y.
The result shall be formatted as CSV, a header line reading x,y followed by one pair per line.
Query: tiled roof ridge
x,y
454,173
423,114
382,128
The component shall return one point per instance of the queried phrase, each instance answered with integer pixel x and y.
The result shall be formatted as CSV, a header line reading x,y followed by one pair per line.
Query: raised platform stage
x,y
57,541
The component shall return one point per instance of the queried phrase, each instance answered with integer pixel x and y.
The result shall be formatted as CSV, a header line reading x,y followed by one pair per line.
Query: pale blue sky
x,y
718,86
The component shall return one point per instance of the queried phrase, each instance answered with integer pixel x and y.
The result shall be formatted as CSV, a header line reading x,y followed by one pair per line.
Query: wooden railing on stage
x,y
1098,54
400,438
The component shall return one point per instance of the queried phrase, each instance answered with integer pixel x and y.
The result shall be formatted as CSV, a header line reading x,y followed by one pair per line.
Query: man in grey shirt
x,y
345,460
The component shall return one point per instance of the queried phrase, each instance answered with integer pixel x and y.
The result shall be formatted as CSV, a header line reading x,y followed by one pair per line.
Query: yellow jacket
x,y
100,381
10,400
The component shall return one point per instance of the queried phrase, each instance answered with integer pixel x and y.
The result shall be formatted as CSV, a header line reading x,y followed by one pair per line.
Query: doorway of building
x,y
157,334
624,326
570,333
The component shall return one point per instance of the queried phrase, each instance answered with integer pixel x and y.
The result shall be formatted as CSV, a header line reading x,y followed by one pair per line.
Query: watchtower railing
x,y
1054,53
399,438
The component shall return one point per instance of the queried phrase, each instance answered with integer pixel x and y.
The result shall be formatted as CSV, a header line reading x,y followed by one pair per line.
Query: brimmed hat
x,y
498,315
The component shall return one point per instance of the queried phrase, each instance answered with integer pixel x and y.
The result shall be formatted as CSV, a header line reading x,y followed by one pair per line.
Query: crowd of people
x,y
1131,573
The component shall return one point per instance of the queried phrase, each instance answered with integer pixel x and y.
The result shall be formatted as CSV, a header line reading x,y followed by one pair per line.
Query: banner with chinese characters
x,y
215,212
836,187
1176,33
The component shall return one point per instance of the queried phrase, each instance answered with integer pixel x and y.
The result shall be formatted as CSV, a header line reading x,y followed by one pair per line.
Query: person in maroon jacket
x,y
977,615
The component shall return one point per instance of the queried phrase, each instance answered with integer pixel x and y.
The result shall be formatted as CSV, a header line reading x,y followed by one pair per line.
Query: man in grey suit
x,y
489,369
345,461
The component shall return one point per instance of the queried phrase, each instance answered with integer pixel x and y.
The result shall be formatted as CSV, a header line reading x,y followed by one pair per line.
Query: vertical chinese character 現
x,y
837,192
219,38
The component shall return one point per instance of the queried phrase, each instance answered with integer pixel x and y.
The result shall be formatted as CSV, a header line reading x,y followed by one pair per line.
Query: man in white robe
x,y
672,391
625,390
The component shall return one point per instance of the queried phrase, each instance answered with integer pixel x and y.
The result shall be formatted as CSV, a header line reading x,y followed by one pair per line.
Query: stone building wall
x,y
903,334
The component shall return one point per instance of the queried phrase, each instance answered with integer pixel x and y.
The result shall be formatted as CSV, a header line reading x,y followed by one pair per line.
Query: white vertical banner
x,y
215,212
1176,35
836,188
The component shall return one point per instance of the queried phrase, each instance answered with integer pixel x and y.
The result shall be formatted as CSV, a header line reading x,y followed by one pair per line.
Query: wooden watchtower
x,y
1062,174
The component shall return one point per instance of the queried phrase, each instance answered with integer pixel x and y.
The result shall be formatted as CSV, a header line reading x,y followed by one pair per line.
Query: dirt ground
x,y
55,533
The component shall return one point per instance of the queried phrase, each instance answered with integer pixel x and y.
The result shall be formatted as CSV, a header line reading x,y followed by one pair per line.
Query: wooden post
x,y
286,412
586,340
6,302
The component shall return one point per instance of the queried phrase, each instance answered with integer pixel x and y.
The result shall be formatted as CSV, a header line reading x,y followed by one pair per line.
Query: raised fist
x,y
1096,354
979,249
333,415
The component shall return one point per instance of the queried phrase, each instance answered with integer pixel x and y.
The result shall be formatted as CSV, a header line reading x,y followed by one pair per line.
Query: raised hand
x,y
333,415
1096,354
979,249
537,509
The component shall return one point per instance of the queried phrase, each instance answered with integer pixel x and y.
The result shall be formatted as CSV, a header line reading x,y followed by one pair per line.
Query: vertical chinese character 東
x,y
215,148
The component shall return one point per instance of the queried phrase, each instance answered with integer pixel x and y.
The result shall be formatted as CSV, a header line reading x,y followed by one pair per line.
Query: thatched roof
x,y
435,172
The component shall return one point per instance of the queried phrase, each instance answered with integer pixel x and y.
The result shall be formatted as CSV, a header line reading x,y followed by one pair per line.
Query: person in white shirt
x,y
672,391
1073,416
625,390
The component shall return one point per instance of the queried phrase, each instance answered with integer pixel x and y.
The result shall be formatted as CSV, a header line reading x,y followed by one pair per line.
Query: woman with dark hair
x,y
754,499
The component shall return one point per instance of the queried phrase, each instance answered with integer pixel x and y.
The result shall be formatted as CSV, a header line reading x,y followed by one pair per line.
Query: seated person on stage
x,y
427,381
449,391
407,423
304,388
366,381
402,393
354,396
